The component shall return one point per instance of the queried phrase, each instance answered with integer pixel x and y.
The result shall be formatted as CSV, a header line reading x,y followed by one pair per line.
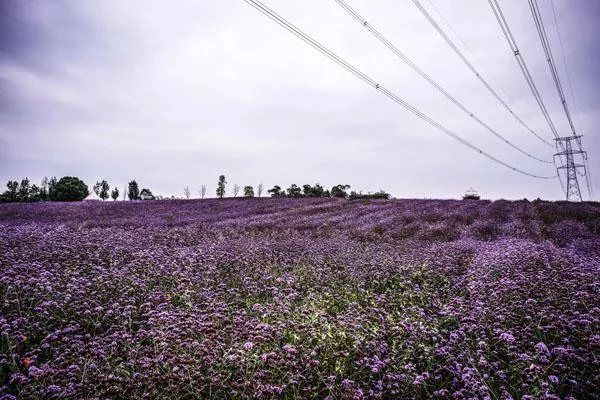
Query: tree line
x,y
70,188
67,188
306,190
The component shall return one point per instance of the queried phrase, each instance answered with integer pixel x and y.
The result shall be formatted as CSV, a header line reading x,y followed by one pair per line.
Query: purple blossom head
x,y
347,384
507,337
419,379
542,348
289,348
54,389
35,372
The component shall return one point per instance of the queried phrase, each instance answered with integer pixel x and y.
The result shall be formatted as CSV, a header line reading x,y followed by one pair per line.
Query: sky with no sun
x,y
174,94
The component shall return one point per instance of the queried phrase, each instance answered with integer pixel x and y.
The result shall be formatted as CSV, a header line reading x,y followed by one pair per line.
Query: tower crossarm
x,y
563,153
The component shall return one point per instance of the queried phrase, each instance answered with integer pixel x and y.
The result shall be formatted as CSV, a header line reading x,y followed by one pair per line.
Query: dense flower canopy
x,y
300,298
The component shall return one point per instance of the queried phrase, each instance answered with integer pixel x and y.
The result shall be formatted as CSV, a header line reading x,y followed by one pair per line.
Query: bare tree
x,y
236,189
186,192
259,189
202,191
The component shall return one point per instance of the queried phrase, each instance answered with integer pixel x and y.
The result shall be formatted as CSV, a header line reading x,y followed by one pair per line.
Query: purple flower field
x,y
300,299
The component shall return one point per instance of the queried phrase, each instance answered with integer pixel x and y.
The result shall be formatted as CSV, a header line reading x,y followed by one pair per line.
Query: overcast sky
x,y
177,93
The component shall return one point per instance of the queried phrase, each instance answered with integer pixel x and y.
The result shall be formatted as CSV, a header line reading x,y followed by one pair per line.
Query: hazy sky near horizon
x,y
174,94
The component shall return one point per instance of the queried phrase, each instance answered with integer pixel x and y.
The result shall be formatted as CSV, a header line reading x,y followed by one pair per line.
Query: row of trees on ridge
x,y
306,190
71,188
67,188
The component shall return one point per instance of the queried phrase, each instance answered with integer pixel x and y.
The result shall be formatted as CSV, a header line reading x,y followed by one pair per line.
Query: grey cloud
x,y
176,94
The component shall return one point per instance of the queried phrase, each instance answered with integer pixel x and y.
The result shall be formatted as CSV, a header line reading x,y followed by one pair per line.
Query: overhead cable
x,y
539,24
258,5
564,59
428,78
513,46
464,59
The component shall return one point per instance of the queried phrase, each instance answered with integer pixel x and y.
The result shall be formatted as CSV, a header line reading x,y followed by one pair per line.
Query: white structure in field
x,y
92,197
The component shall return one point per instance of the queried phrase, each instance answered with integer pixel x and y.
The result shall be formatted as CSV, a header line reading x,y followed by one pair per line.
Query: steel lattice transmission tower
x,y
567,154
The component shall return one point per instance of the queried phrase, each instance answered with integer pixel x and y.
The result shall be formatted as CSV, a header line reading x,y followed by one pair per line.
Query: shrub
x,y
70,188
371,196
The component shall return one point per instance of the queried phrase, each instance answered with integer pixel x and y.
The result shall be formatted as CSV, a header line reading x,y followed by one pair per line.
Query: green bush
x,y
70,188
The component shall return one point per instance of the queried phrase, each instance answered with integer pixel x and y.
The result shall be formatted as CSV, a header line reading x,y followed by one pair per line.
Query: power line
x,y
428,78
368,80
562,185
571,93
472,68
564,58
513,46
539,24
473,56
588,178
521,62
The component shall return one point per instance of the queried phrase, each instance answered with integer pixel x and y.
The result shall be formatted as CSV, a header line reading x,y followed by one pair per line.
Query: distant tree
x,y
44,189
319,191
248,191
313,191
186,192
11,193
23,191
51,188
276,191
96,188
202,191
146,194
114,194
70,188
259,189
340,191
294,191
133,190
102,189
370,196
236,189
221,186
307,190
34,193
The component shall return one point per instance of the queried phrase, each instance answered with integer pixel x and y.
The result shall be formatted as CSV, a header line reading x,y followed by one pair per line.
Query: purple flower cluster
x,y
300,298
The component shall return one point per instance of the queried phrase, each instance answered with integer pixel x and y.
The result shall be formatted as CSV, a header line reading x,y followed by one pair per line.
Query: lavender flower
x,y
346,299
